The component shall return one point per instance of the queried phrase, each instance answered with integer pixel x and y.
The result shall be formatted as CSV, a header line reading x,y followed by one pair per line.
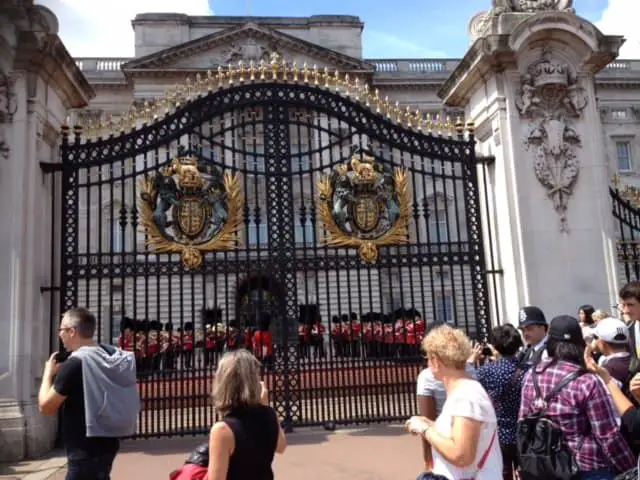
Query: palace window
x,y
304,233
258,234
444,308
438,227
623,155
619,114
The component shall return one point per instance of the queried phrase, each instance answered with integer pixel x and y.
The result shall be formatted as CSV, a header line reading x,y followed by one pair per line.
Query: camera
x,y
486,351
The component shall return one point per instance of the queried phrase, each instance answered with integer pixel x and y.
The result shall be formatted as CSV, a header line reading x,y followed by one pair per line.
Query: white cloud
x,y
102,28
620,18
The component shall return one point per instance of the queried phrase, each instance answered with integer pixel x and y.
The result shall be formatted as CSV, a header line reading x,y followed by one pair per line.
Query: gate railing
x,y
625,203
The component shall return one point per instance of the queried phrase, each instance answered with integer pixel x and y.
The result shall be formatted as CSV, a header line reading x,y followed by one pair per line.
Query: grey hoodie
x,y
111,399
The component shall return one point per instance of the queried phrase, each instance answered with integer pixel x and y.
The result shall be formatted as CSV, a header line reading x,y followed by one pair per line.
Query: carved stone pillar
x,y
528,83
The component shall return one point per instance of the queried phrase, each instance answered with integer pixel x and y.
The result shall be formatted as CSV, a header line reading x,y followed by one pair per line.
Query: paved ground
x,y
371,453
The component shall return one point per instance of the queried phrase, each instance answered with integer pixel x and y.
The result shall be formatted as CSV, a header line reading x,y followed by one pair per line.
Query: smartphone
x,y
62,356
486,351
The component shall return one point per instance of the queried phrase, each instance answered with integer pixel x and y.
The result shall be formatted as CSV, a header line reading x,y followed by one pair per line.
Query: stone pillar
x,y
528,84
44,84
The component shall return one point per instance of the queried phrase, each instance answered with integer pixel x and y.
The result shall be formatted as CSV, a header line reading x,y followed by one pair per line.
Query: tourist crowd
x,y
546,400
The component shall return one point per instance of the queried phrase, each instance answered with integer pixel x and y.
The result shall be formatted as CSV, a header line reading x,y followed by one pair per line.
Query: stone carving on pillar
x,y
531,6
551,98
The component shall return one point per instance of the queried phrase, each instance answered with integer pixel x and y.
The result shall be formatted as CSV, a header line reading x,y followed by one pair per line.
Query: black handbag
x,y
628,475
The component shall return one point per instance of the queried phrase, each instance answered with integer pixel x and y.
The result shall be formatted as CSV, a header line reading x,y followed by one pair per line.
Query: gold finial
x,y
220,76
347,86
376,99
295,71
356,90
252,71
210,80
398,112
326,77
407,117
274,66
616,181
429,123
240,71
64,128
471,127
336,79
285,70
188,88
315,74
230,73
305,73
90,129
449,126
263,70
459,126
418,120
365,89
199,84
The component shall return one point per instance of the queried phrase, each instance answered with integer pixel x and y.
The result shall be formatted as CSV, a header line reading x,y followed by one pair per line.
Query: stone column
x,y
45,82
528,84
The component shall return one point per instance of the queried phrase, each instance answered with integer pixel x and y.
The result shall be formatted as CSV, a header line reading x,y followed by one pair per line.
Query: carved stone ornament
x,y
532,6
246,52
550,98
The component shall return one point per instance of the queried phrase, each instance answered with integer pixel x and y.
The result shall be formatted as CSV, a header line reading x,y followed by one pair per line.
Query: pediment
x,y
246,43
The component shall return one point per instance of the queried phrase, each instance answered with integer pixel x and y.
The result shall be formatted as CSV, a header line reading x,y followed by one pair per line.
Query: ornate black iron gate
x,y
293,203
626,213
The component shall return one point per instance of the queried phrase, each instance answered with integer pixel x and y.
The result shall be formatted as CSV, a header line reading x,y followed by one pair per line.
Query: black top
x,y
68,382
255,430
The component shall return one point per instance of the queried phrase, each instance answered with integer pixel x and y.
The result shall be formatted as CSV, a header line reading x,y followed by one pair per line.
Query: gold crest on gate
x,y
364,204
186,211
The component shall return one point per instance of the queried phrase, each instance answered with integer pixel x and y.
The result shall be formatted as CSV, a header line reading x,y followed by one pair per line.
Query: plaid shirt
x,y
584,411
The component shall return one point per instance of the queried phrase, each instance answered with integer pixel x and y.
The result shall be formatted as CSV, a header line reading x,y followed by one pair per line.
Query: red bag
x,y
189,471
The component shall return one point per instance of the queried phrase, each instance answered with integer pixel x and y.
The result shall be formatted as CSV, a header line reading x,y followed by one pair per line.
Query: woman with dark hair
x,y
585,314
583,409
502,379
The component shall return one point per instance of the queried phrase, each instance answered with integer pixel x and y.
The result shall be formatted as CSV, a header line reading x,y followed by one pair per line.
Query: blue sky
x,y
415,28
409,29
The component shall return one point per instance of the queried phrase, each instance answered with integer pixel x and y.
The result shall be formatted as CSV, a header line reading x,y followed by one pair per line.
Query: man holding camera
x,y
95,388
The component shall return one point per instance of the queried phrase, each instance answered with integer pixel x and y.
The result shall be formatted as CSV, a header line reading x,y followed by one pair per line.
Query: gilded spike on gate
x,y
296,71
199,84
240,72
230,73
220,77
336,79
326,77
252,71
210,80
263,70
315,74
305,73
418,120
356,90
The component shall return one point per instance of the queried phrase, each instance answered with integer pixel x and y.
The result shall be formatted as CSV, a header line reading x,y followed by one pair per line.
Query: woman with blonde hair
x,y
243,443
463,438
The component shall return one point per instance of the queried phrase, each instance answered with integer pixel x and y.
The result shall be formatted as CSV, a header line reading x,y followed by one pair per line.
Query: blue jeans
x,y
82,466
597,475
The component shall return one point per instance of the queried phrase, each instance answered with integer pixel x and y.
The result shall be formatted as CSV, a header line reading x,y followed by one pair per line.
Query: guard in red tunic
x,y
154,343
263,342
304,339
356,335
337,337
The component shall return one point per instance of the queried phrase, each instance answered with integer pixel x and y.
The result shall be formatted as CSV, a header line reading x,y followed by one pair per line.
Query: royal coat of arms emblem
x,y
365,205
188,211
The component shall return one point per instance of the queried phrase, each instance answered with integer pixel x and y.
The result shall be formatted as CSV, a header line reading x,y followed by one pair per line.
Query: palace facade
x,y
172,47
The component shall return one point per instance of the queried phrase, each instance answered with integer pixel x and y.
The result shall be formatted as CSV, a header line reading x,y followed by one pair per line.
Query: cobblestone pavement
x,y
369,453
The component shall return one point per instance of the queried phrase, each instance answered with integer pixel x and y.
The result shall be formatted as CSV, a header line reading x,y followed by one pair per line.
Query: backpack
x,y
542,450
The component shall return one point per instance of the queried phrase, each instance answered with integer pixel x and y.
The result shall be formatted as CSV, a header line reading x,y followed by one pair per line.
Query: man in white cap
x,y
611,338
